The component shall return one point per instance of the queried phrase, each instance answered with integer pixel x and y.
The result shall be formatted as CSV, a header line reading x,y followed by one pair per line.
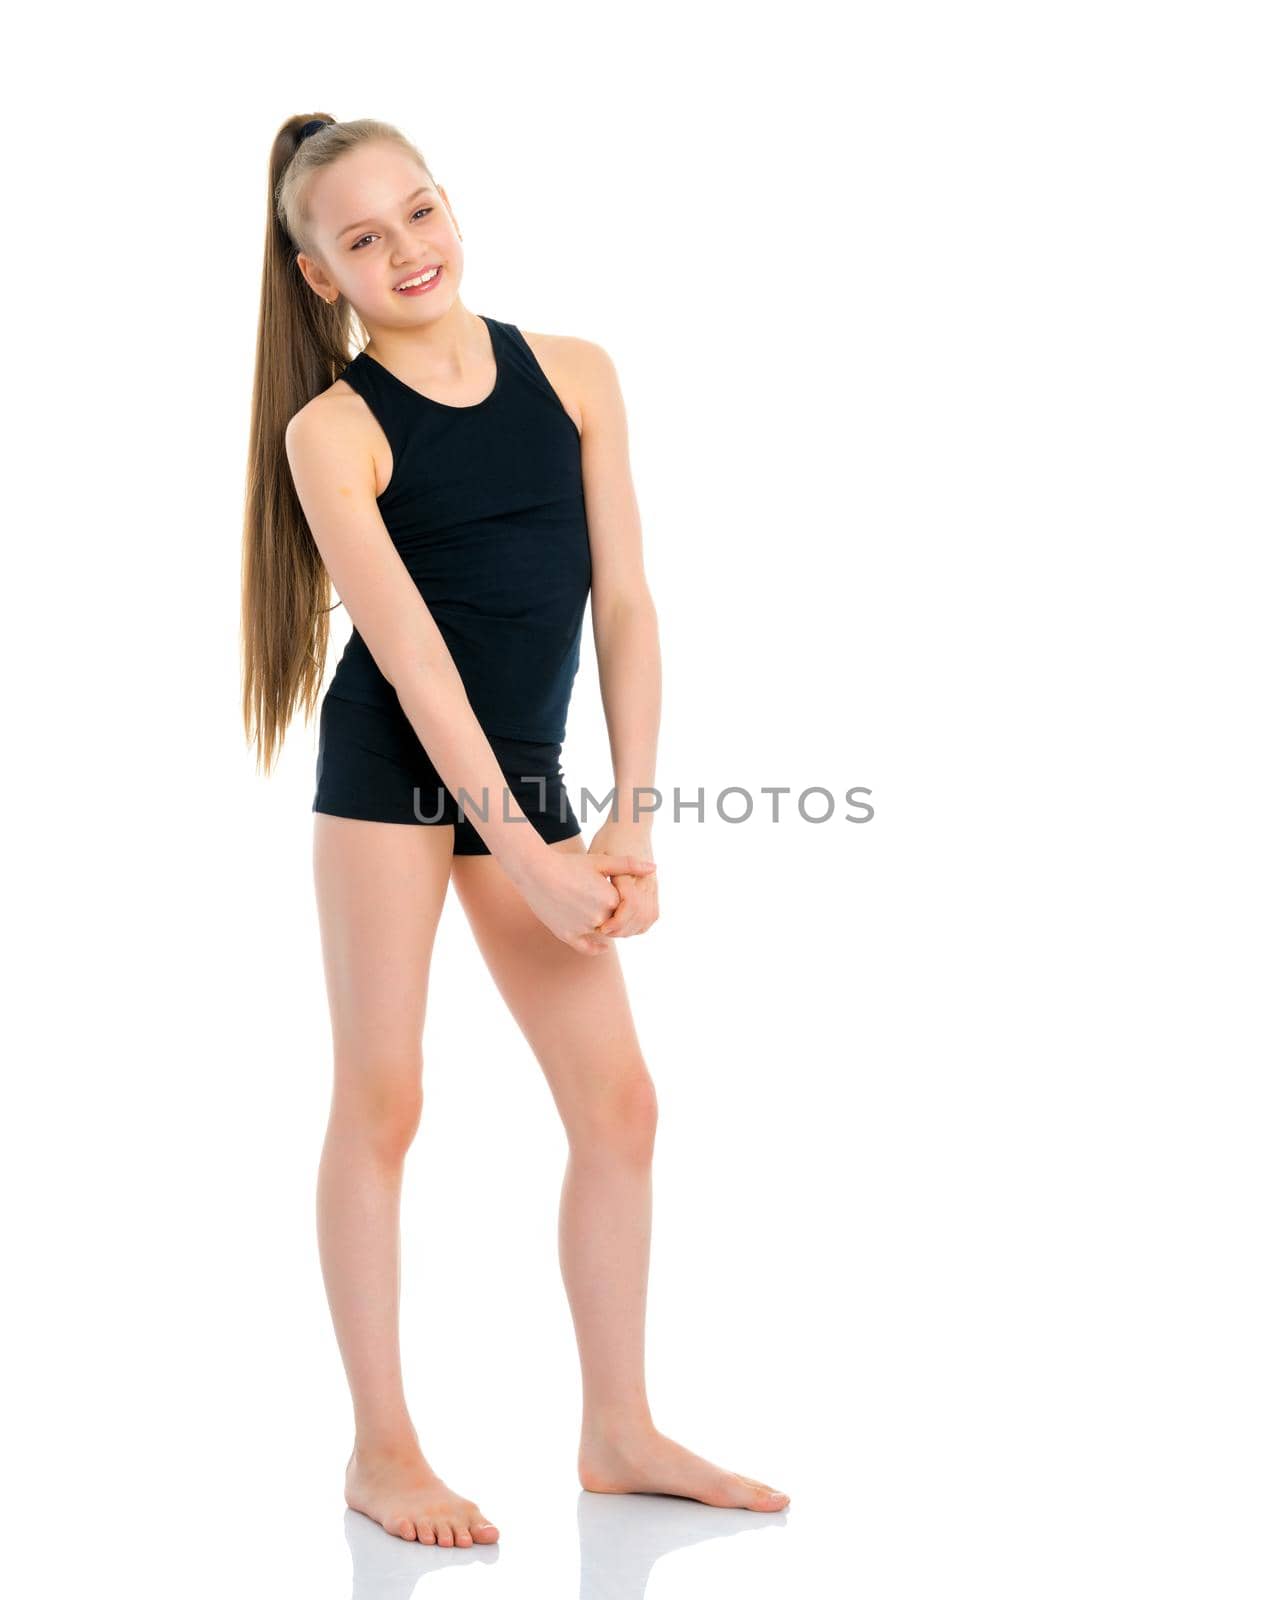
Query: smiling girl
x,y
464,486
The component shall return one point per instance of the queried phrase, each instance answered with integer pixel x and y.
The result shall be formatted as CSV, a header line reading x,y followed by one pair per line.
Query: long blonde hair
x,y
303,346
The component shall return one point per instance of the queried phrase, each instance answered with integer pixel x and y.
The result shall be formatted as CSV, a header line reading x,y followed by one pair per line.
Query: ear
x,y
316,277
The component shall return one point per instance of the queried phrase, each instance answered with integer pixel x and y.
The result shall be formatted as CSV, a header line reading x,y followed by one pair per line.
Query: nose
x,y
405,249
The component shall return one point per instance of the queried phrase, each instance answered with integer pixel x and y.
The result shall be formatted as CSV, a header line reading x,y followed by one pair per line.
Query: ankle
x,y
395,1444
604,1425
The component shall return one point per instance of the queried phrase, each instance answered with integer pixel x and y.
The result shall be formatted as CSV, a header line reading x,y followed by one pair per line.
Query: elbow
x,y
619,607
414,660
409,675
402,660
421,682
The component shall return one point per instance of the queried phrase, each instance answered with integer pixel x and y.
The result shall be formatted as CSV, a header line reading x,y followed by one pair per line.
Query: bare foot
x,y
399,1490
645,1461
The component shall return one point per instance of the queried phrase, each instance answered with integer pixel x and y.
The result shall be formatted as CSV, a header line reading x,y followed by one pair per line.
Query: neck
x,y
450,346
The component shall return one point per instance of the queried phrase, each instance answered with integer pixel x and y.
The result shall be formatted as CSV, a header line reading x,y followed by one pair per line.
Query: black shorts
x,y
371,765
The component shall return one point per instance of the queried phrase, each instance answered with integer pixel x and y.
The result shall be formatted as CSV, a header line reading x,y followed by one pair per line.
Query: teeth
x,y
413,283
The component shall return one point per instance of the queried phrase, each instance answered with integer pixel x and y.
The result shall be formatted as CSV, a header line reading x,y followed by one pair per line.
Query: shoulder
x,y
327,409
333,433
335,415
580,368
582,356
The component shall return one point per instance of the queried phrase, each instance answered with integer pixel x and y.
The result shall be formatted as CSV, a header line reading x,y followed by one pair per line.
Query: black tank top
x,y
485,506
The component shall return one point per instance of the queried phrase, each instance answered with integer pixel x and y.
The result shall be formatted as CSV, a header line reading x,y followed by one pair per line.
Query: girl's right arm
x,y
334,473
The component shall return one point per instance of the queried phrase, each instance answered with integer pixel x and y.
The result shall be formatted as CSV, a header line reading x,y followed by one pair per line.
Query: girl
x,y
464,486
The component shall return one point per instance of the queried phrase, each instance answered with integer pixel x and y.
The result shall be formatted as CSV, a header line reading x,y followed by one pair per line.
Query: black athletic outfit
x,y
485,506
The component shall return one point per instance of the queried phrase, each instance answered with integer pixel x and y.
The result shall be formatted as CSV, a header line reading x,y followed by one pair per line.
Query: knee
x,y
380,1102
624,1118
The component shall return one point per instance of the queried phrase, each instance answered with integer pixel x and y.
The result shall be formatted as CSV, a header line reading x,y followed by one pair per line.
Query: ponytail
x,y
303,346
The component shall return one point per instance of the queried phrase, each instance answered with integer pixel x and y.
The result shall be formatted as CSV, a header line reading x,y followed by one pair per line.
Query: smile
x,y
420,282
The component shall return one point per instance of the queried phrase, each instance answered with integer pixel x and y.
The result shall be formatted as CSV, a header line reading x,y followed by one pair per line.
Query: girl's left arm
x,y
623,616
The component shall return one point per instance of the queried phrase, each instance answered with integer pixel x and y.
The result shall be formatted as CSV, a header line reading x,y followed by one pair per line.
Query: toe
x,y
444,1536
770,1499
426,1533
401,1527
484,1532
462,1534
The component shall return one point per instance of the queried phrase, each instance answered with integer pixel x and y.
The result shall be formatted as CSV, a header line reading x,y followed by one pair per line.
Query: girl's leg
x,y
573,1010
379,892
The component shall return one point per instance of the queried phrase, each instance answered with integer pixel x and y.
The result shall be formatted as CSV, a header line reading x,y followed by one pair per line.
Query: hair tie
x,y
314,126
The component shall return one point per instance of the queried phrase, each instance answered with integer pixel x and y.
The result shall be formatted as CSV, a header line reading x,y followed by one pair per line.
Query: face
x,y
377,221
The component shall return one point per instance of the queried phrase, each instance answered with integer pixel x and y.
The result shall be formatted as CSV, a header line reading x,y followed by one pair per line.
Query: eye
x,y
422,211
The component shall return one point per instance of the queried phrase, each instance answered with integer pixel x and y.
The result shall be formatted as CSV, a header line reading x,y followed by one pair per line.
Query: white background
x,y
948,339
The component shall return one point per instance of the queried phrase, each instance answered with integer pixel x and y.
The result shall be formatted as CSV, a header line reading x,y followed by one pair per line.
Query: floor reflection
x,y
620,1538
384,1567
622,1535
